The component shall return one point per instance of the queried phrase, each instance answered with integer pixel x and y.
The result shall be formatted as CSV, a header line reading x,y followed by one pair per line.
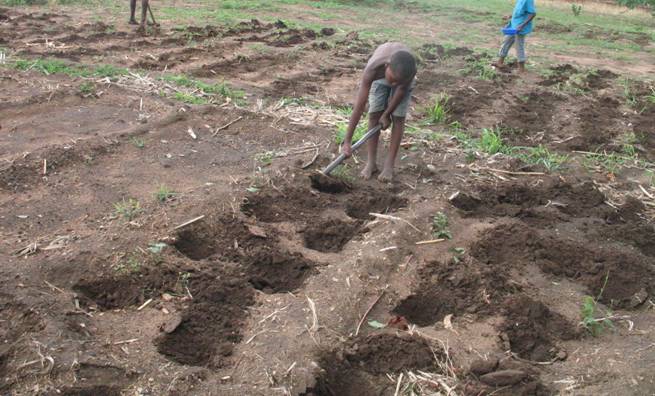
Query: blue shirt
x,y
522,10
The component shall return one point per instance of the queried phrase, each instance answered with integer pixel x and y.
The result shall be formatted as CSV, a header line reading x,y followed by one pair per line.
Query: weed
x,y
457,252
87,88
190,99
440,226
163,193
650,98
221,89
611,163
630,96
266,158
130,265
343,173
137,142
576,9
541,156
342,127
491,141
650,176
127,209
438,112
593,319
182,284
480,68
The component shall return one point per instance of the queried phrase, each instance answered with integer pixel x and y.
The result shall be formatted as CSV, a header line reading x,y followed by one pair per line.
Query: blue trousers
x,y
519,39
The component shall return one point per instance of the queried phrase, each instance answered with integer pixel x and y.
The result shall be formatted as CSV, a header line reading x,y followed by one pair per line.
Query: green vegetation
x,y
206,90
266,158
458,253
481,68
438,112
129,265
594,319
137,142
491,141
127,209
440,226
541,156
55,66
343,173
164,193
576,9
87,88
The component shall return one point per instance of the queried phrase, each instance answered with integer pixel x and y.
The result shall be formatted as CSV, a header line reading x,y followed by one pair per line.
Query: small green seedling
x,y
440,226
266,158
457,252
137,142
593,319
576,9
87,88
163,193
129,266
127,209
491,141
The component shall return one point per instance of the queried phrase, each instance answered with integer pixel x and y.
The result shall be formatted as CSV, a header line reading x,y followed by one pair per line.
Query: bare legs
x,y
397,131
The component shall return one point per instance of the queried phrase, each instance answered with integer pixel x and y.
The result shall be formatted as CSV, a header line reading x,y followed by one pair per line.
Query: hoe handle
x,y
371,132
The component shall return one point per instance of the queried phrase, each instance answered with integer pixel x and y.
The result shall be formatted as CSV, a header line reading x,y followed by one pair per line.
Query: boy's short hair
x,y
403,65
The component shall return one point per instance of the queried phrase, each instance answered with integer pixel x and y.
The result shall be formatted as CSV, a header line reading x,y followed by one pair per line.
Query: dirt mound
x,y
294,203
533,330
330,235
597,126
222,235
363,202
625,278
17,321
360,367
211,326
99,380
455,288
552,199
530,115
119,291
464,102
274,271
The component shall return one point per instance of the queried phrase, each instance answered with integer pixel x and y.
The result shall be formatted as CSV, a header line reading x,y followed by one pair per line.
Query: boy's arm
x,y
358,110
521,26
531,11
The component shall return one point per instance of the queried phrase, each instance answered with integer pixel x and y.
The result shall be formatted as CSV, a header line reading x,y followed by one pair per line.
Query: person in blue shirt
x,y
521,20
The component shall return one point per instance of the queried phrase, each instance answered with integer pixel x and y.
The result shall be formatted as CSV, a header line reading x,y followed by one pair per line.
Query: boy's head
x,y
401,68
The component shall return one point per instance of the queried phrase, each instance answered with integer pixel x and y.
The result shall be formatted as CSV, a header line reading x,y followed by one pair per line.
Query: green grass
x,y
541,156
342,127
190,99
265,158
215,89
594,320
56,66
87,88
438,112
130,265
127,209
343,173
137,142
491,141
164,193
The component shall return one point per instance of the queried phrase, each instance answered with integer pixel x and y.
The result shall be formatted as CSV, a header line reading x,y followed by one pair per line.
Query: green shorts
x,y
380,93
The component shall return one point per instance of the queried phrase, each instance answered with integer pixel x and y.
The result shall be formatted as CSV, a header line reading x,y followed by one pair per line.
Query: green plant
x,y
189,98
480,68
128,209
457,252
87,88
594,319
491,141
440,226
266,158
541,156
342,127
130,265
576,9
438,112
650,98
137,142
342,172
163,193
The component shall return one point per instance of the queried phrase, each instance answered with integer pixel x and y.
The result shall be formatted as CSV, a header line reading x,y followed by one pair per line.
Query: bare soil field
x,y
160,240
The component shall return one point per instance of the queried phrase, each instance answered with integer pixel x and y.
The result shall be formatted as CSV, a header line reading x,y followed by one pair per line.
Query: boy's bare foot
x,y
368,171
133,22
386,176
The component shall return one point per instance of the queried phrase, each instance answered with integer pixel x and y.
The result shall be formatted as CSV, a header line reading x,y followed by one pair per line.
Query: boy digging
x,y
521,20
387,82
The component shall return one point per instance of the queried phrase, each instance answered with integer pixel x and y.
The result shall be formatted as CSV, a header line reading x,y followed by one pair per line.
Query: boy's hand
x,y
385,120
346,149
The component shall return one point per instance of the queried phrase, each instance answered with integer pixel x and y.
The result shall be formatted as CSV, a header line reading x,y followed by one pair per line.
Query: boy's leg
x,y
144,12
504,49
520,52
397,131
132,11
372,147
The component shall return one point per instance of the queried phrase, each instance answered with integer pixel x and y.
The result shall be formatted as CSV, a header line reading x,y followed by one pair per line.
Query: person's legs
x,y
144,13
520,51
372,147
132,11
504,49
397,131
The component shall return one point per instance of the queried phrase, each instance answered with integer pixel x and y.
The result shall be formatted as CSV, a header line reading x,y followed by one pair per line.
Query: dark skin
x,y
501,60
144,13
383,118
